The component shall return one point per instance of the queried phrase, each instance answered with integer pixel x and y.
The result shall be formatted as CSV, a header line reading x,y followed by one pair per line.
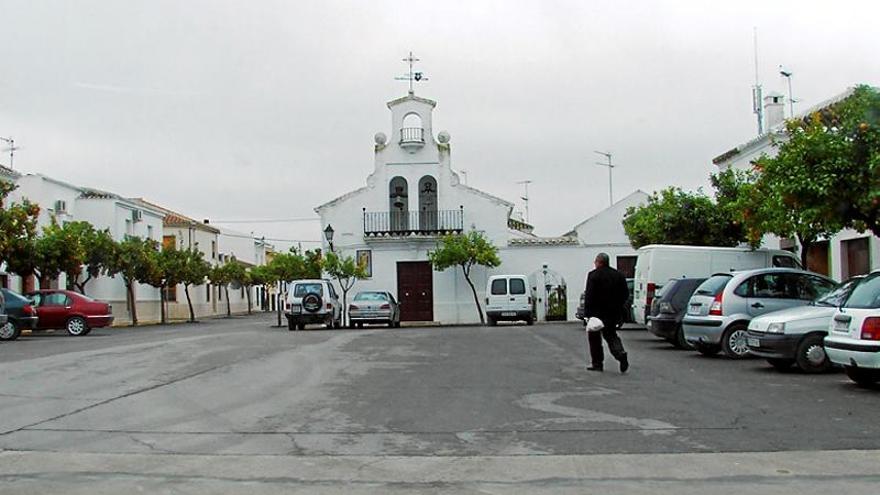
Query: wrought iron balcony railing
x,y
407,223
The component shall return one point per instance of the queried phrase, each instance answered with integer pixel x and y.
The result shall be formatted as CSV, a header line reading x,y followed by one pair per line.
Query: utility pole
x,y
758,92
607,155
11,149
526,197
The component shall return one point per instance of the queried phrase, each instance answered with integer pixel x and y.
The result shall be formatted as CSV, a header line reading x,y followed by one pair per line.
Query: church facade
x,y
413,197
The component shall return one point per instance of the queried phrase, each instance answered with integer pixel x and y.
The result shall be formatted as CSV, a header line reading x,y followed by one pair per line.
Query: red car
x,y
69,310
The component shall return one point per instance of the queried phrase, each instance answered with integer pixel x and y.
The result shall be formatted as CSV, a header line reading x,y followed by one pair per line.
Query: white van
x,y
509,297
658,263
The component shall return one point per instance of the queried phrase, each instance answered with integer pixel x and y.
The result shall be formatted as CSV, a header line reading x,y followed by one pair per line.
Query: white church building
x,y
413,197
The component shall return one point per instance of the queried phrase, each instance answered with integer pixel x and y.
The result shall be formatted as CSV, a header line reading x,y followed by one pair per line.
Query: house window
x,y
213,250
129,227
208,289
171,294
149,231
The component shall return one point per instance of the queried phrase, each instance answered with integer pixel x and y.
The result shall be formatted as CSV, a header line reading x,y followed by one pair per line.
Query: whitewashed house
x,y
122,217
413,196
846,254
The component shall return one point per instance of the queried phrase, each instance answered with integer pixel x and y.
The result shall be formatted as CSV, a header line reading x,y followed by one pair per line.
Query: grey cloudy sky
x,y
239,109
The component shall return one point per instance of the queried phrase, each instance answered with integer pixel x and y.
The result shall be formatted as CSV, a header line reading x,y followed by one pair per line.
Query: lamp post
x,y
328,235
787,74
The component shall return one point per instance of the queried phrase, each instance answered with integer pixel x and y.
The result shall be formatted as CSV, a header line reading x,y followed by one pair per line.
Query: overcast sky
x,y
244,110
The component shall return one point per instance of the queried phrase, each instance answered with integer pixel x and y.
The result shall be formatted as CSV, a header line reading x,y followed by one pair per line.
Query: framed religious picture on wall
x,y
364,258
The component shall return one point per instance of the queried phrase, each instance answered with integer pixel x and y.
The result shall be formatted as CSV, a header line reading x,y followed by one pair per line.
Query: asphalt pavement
x,y
231,403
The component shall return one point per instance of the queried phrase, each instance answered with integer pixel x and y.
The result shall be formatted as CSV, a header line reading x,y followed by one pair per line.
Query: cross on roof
x,y
411,75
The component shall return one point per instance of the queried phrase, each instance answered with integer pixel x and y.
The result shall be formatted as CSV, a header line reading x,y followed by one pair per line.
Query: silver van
x,y
719,312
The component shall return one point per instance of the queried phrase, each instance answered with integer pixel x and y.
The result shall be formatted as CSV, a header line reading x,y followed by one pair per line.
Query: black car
x,y
21,315
669,308
627,306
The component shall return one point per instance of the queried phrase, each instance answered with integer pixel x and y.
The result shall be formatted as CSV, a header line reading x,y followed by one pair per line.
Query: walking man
x,y
606,294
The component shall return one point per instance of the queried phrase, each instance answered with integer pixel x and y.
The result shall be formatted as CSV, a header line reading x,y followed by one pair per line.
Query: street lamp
x,y
328,235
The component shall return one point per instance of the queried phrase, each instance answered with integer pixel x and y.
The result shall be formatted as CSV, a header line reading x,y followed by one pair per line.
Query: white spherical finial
x,y
443,137
381,138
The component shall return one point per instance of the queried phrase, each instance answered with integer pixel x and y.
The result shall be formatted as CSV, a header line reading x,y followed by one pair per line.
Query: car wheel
x,y
862,377
733,342
780,364
77,326
300,326
707,349
679,341
337,323
9,331
491,321
397,324
291,325
530,321
811,356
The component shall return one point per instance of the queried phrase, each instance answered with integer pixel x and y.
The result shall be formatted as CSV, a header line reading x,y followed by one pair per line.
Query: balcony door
x,y
415,292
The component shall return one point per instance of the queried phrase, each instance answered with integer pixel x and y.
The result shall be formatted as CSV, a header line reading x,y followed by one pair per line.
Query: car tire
x,y
337,324
811,356
733,342
491,321
781,364
530,321
76,326
10,331
291,326
397,324
863,377
707,349
300,326
679,341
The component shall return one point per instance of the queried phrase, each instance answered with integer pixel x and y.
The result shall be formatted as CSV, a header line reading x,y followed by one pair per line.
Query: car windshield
x,y
301,290
713,285
837,296
866,295
371,296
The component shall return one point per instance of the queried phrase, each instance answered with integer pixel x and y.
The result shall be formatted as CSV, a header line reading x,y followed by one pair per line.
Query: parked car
x,y
312,301
627,307
853,339
374,307
72,311
658,263
20,313
795,335
668,309
719,312
508,297
3,317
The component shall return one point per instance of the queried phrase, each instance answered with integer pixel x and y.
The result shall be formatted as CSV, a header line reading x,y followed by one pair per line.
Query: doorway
x,y
415,282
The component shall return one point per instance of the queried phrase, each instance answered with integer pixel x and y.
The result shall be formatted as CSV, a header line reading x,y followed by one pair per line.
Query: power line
x,y
271,220
275,239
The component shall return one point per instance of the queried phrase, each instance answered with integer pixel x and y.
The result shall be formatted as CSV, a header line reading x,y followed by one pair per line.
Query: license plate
x,y
694,309
841,326
508,313
753,342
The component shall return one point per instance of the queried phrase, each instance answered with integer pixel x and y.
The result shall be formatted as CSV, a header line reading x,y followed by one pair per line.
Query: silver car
x,y
719,312
374,307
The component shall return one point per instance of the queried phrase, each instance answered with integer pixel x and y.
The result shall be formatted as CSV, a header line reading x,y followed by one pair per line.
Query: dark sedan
x,y
668,310
21,315
72,311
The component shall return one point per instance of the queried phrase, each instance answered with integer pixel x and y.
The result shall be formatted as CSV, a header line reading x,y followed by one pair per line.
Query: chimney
x,y
774,110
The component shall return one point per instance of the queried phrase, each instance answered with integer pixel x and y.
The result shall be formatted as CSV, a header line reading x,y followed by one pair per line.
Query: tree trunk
x,y
81,286
345,321
132,304
228,304
805,249
163,318
467,278
192,314
278,303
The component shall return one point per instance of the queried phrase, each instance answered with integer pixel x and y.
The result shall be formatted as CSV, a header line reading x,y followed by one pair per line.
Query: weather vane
x,y
412,76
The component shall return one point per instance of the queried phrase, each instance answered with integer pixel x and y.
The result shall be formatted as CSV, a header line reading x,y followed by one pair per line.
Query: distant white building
x,y
413,197
846,254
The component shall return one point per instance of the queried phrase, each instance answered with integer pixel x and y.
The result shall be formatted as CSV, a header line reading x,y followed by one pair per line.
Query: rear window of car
x,y
12,296
371,296
684,290
300,290
713,285
667,289
517,286
499,286
866,295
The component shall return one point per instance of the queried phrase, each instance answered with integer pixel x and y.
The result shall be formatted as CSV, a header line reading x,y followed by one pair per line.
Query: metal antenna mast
x,y
787,74
411,75
758,92
526,197
610,168
11,149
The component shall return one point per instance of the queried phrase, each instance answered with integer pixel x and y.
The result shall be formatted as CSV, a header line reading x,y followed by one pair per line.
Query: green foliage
x,y
134,260
18,223
193,272
295,265
674,216
346,271
465,250
223,275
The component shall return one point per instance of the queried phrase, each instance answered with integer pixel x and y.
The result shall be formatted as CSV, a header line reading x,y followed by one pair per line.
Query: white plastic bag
x,y
594,324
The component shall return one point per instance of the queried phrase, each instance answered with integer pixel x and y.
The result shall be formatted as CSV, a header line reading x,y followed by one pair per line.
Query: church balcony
x,y
379,224
412,138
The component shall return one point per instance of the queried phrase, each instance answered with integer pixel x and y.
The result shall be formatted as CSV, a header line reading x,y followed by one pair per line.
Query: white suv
x,y
312,301
853,339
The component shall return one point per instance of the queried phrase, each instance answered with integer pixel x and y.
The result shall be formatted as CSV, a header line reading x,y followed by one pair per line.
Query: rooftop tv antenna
x,y
525,198
610,169
412,76
11,149
757,91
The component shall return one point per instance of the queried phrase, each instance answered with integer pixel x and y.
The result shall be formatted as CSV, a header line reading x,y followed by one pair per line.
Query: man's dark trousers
x,y
615,346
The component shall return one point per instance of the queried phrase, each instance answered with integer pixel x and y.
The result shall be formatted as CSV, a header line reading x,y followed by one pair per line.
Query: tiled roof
x,y
543,241
8,172
174,219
